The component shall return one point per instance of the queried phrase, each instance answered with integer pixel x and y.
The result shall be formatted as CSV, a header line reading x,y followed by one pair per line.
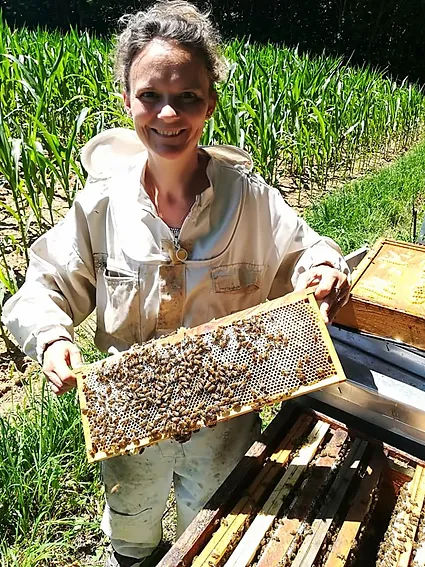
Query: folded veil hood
x,y
115,149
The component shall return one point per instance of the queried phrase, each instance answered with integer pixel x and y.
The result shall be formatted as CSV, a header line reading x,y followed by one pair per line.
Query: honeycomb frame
x,y
172,386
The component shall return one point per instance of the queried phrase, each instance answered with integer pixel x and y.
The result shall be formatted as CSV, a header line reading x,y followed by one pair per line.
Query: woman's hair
x,y
170,20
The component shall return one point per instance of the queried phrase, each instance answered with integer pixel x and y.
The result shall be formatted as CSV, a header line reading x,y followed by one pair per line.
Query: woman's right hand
x,y
59,359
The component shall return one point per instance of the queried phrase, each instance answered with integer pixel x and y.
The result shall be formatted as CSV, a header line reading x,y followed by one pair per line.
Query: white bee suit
x,y
241,244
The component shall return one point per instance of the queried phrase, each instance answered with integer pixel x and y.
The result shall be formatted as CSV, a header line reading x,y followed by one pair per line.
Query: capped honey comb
x,y
172,386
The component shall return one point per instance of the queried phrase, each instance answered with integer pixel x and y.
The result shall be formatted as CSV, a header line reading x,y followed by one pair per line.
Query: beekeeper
x,y
165,234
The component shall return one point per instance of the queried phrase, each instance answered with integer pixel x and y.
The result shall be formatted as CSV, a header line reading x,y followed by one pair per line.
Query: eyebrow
x,y
154,86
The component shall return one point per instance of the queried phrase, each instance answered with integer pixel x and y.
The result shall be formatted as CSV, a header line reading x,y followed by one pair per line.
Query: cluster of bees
x,y
378,287
402,530
163,390
419,545
310,511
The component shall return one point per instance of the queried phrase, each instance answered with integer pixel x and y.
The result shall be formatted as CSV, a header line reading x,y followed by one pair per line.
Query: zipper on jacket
x,y
177,253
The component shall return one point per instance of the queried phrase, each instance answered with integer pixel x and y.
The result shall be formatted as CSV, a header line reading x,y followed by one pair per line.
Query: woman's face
x,y
170,98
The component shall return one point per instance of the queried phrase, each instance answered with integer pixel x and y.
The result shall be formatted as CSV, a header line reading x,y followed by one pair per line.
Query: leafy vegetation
x,y
48,493
50,497
390,203
307,118
388,34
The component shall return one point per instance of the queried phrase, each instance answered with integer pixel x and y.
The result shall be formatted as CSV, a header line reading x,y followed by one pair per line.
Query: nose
x,y
167,111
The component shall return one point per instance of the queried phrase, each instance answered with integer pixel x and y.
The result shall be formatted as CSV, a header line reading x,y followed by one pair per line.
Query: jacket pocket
x,y
118,303
235,287
237,278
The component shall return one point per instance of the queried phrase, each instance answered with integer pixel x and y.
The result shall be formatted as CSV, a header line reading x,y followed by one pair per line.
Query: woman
x,y
165,234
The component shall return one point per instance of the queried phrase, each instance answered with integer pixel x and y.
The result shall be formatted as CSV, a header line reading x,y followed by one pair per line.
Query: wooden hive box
x,y
388,293
311,493
172,386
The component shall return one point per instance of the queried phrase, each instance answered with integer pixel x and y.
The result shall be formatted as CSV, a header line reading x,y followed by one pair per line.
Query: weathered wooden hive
x,y
196,377
388,293
311,493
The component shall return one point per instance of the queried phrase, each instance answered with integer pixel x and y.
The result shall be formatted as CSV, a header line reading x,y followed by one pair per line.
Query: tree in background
x,y
385,33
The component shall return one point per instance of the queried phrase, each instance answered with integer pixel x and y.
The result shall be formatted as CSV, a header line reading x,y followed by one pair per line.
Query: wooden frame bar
x,y
247,548
205,523
287,533
356,515
233,525
313,542
368,457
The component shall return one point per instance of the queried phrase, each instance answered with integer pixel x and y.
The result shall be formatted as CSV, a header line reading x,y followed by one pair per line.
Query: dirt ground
x,y
15,369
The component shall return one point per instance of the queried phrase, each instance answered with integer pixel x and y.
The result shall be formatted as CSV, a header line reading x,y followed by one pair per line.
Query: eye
x,y
188,96
148,96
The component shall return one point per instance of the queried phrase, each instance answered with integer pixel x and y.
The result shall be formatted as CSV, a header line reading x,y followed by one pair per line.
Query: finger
x,y
58,391
54,381
327,284
75,358
62,370
59,386
325,311
307,279
67,387
335,298
55,389
334,301
57,359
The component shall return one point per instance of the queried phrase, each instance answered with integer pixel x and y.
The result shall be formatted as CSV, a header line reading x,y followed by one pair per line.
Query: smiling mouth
x,y
168,133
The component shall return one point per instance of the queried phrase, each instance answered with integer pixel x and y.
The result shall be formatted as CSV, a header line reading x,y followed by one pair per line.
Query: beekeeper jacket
x,y
240,244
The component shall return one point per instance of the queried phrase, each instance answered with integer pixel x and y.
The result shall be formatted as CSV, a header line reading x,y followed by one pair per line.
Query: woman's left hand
x,y
332,291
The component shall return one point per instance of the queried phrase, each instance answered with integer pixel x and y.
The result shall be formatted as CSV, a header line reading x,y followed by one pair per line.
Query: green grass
x,y
379,205
50,497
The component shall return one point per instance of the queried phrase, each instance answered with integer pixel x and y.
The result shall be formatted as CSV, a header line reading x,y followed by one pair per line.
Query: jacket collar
x,y
117,149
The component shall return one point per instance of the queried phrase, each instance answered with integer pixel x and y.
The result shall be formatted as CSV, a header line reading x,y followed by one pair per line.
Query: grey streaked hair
x,y
170,20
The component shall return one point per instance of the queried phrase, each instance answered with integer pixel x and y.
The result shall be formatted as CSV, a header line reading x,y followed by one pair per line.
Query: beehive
x,y
322,495
172,386
388,293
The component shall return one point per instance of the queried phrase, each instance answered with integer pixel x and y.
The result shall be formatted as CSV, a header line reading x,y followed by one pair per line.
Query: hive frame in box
x,y
347,463
285,352
384,312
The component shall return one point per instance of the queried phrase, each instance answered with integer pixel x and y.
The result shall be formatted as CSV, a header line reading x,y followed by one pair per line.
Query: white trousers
x,y
140,484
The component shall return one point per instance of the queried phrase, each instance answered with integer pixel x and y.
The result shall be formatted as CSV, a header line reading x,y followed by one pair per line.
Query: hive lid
x,y
388,294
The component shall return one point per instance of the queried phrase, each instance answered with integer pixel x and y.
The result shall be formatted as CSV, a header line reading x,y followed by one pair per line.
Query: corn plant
x,y
306,118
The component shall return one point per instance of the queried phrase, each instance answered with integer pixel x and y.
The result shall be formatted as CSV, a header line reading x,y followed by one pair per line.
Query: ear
x,y
127,103
212,102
